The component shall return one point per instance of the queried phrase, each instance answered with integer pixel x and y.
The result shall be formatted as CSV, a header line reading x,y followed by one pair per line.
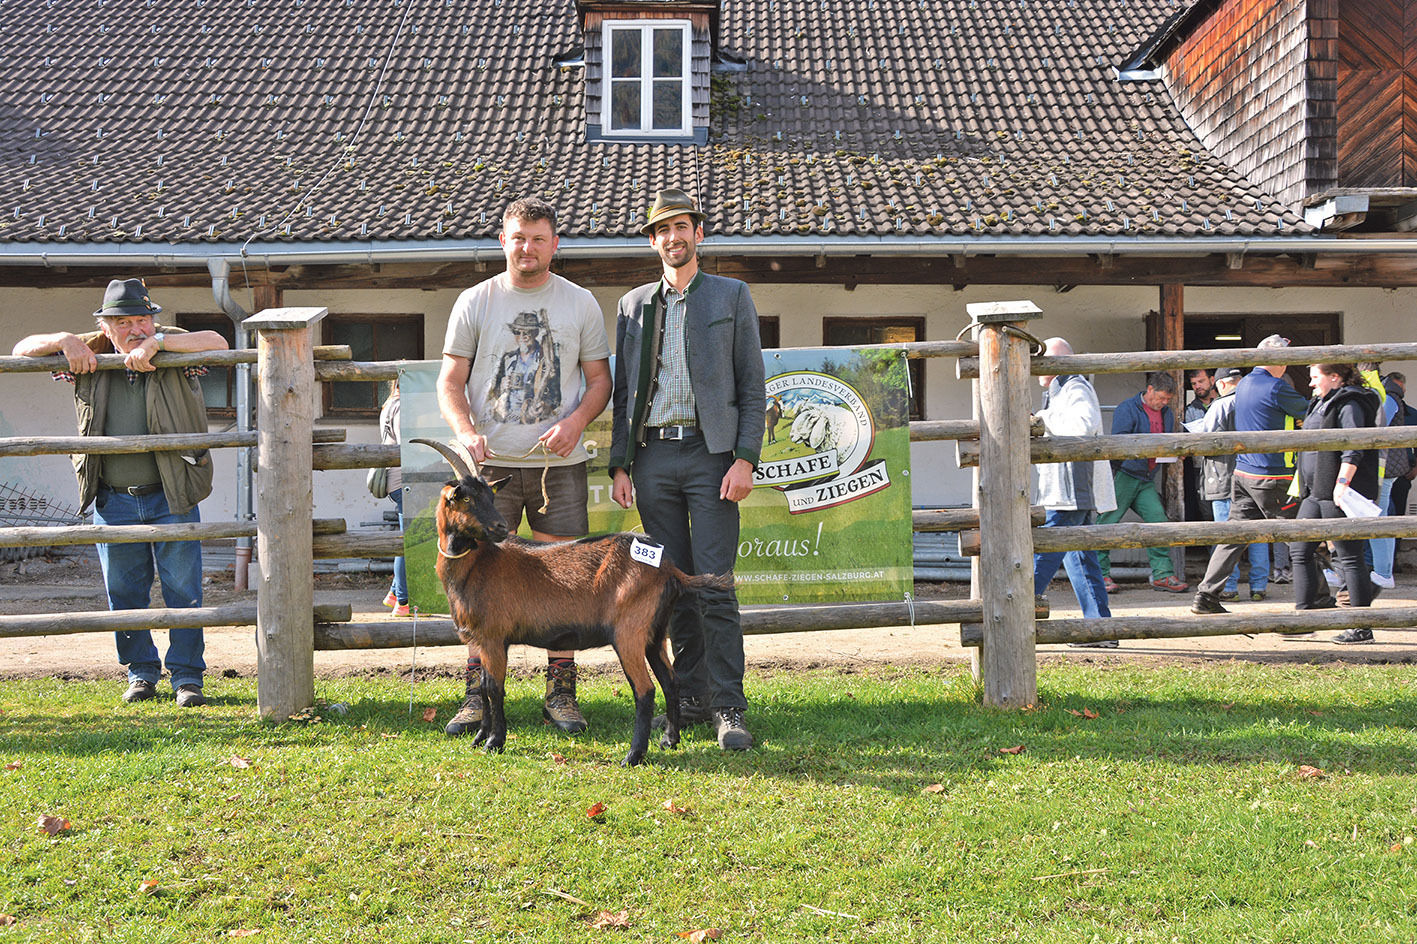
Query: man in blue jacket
x,y
1260,488
1135,481
687,429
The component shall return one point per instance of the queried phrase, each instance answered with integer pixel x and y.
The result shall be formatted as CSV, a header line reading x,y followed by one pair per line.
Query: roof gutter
x,y
488,250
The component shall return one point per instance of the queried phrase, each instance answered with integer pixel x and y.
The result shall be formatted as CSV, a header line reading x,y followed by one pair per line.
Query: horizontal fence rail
x,y
1106,537
1227,624
57,362
100,621
1131,362
1153,445
66,535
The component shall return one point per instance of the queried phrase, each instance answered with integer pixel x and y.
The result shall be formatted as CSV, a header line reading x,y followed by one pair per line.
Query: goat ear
x,y
497,485
450,492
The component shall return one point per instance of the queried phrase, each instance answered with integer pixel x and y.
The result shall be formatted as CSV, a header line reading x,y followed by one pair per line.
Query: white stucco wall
x,y
1092,318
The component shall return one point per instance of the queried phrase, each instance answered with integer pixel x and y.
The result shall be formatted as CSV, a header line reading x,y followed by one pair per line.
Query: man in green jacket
x,y
141,488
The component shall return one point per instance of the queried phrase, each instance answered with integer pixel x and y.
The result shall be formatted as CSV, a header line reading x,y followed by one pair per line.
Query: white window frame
x,y
646,29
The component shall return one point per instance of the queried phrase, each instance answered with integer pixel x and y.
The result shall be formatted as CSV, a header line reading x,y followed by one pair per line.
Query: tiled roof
x,y
217,121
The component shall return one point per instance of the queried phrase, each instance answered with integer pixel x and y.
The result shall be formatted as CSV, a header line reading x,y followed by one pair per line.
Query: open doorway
x,y
1208,330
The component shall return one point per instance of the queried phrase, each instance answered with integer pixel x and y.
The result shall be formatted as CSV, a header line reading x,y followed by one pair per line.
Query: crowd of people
x,y
1239,487
525,368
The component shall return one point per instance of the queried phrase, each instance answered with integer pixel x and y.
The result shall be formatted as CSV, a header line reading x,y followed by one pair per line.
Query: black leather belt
x,y
137,491
672,432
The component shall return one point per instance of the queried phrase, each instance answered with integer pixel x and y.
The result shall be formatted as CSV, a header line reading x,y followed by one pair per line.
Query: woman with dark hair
x,y
1341,401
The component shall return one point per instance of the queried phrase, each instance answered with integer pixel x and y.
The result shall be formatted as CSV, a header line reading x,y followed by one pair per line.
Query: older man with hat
x,y
688,427
143,488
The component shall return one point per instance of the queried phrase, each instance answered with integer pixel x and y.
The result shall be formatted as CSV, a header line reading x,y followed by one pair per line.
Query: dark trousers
x,y
1309,585
676,490
1251,499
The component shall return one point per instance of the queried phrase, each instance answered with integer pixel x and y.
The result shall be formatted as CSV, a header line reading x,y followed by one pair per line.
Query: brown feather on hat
x,y
125,298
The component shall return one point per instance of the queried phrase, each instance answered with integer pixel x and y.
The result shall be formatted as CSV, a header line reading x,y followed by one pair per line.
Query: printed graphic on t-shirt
x,y
526,387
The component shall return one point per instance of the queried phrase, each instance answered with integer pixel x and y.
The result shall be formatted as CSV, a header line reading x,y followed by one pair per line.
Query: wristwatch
x,y
161,339
1342,481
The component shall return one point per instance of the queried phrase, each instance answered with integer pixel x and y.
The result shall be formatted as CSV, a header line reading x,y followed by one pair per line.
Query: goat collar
x,y
444,553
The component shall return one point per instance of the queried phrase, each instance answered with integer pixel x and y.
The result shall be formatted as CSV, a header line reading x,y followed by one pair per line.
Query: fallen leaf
x,y
7,920
53,825
14,765
1311,844
596,811
1017,749
240,763
243,932
1074,712
1309,773
558,758
429,714
1089,714
681,810
148,886
1226,706
607,919
934,788
1395,847
701,935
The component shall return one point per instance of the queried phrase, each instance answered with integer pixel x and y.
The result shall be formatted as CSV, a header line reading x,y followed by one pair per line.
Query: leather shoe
x,y
190,696
732,731
140,690
1206,603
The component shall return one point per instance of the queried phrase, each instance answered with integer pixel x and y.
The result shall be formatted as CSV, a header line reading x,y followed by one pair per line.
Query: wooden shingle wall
x,y
1239,80
1376,91
700,53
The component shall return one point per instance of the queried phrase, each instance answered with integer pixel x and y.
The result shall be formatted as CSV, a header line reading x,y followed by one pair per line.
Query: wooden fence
x,y
1001,620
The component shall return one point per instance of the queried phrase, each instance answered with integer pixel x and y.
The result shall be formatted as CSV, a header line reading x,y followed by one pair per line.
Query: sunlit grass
x,y
879,806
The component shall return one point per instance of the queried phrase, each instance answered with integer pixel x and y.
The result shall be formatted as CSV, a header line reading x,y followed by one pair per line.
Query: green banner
x,y
829,516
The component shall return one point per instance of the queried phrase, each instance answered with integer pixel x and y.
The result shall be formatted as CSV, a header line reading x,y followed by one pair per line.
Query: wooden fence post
x,y
285,627
1008,657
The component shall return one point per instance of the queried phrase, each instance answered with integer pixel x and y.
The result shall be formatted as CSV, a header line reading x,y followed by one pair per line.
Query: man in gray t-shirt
x,y
526,366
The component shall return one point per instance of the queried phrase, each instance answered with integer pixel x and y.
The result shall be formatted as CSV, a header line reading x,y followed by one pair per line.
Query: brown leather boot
x,y
469,716
561,708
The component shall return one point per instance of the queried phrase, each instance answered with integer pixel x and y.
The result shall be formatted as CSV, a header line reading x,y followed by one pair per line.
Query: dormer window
x,y
647,66
647,78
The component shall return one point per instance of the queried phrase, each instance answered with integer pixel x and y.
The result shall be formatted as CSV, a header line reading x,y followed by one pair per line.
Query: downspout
x,y
220,271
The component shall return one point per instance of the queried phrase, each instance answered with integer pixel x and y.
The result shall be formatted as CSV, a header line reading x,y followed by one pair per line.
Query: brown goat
x,y
568,595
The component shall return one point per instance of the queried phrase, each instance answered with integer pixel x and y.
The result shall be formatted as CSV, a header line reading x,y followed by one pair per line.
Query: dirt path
x,y
70,585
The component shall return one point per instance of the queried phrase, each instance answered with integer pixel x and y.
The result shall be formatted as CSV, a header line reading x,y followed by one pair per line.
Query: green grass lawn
x,y
1148,804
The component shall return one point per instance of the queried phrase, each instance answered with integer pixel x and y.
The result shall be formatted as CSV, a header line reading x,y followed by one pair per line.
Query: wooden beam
x,y
107,621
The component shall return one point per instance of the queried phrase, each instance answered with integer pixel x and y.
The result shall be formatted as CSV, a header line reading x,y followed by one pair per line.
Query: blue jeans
x,y
1084,570
1383,549
1259,556
400,585
128,578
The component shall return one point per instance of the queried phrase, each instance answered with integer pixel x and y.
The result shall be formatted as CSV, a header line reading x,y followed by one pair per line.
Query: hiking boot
x,y
1354,637
732,732
1228,595
140,690
691,711
1206,603
469,717
1099,644
1170,584
561,708
190,696
1257,596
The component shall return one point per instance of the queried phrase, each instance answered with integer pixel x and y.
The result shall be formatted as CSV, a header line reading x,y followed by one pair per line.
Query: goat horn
x,y
455,459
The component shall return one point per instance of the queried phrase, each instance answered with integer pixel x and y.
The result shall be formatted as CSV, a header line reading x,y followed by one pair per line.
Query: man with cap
x,y
1260,487
1217,476
688,427
525,369
142,488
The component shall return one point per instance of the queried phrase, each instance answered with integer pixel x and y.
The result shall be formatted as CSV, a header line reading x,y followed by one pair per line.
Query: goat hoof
x,y
632,760
669,743
492,748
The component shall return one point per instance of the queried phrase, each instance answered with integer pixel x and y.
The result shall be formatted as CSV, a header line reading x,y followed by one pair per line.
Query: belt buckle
x,y
674,433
